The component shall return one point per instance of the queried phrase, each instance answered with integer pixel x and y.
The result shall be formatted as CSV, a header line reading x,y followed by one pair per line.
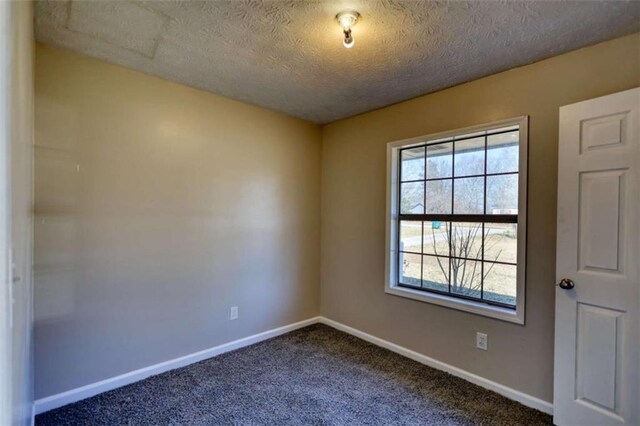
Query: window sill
x,y
477,308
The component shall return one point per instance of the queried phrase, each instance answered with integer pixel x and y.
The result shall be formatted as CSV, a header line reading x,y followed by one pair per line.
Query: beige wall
x,y
353,212
157,208
186,203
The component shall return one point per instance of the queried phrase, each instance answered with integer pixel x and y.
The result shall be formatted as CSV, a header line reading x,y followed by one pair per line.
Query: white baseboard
x,y
521,397
87,391
74,395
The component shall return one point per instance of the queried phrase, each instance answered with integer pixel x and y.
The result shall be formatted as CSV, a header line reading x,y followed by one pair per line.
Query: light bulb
x,y
346,20
348,39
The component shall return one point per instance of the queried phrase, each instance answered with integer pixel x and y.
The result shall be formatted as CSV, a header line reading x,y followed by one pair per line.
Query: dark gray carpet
x,y
316,375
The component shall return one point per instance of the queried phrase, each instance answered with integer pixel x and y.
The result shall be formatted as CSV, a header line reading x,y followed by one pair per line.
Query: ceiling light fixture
x,y
347,19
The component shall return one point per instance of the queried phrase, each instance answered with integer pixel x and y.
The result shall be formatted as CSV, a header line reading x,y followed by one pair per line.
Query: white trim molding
x,y
58,400
521,397
392,243
55,401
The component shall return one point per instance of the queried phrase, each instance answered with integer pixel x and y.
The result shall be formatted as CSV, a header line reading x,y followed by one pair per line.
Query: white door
x,y
597,332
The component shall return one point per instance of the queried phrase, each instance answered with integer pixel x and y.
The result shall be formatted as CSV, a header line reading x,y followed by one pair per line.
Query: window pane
x,y
501,242
469,196
436,238
412,197
435,273
469,157
412,167
500,283
502,194
466,240
465,277
473,174
438,196
410,267
502,152
439,160
410,236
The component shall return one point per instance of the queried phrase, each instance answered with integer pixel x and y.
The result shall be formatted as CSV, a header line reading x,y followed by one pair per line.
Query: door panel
x,y
603,132
599,333
600,228
597,341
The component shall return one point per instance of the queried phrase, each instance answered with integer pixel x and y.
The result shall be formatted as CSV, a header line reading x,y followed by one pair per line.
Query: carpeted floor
x,y
313,376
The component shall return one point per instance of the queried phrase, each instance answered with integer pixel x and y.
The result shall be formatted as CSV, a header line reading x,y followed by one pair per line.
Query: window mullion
x,y
486,154
479,218
450,224
422,255
424,210
482,264
449,257
399,221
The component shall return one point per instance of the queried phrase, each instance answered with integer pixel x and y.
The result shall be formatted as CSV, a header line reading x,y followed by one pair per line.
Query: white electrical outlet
x,y
233,313
482,341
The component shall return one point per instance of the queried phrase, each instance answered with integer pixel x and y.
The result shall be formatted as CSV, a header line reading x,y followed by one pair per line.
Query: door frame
x,y
6,305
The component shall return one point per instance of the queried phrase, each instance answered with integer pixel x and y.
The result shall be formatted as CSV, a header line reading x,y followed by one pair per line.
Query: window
x,y
457,219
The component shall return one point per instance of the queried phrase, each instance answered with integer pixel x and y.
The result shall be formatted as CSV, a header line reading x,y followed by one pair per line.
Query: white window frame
x,y
391,273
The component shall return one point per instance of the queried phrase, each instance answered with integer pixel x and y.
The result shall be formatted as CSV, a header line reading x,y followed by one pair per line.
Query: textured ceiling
x,y
287,55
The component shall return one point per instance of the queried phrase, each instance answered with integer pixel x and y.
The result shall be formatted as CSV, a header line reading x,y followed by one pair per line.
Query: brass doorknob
x,y
566,284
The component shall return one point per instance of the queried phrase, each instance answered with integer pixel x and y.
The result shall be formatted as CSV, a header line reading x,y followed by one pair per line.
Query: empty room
x,y
319,212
